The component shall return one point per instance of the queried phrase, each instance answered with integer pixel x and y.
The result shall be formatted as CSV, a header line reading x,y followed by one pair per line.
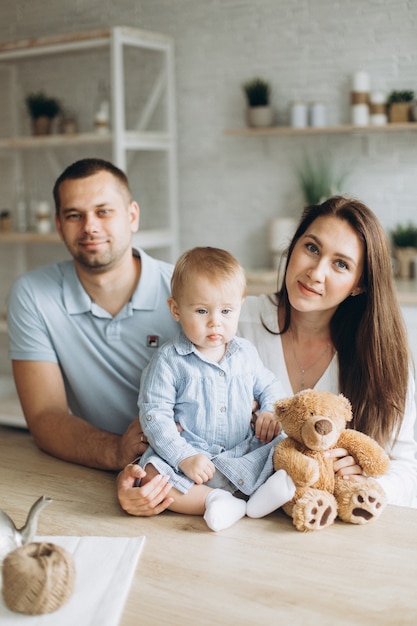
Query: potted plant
x,y
404,241
42,110
399,104
258,96
318,180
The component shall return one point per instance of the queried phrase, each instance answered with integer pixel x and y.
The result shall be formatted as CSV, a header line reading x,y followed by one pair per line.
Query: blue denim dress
x,y
212,402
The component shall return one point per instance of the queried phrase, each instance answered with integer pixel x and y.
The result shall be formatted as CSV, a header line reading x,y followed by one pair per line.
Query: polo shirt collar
x,y
145,296
147,293
76,299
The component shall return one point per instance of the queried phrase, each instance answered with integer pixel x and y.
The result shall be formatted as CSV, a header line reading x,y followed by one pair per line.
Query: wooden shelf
x,y
53,141
146,239
85,40
134,140
324,130
28,237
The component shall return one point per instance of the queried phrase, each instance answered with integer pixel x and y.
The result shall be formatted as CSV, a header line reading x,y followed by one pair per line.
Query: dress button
x,y
221,373
223,409
241,481
149,418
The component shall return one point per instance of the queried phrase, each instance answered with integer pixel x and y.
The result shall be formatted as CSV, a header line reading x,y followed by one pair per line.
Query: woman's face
x,y
325,266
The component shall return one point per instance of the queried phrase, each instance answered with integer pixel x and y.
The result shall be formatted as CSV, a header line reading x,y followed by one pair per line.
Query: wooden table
x,y
259,572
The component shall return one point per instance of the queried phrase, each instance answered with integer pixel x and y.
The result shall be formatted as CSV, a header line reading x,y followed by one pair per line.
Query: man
x,y
81,331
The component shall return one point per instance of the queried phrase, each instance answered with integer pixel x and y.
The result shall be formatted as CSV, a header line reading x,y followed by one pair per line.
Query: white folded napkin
x,y
104,570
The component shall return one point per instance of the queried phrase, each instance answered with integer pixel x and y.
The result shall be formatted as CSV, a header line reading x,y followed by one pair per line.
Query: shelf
x,y
53,141
158,108
133,140
29,237
325,130
146,239
85,40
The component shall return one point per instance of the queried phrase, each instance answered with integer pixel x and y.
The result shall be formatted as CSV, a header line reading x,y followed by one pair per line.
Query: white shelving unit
x,y
123,144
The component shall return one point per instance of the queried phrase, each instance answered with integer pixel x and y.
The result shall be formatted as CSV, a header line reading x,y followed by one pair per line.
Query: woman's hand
x,y
151,499
345,465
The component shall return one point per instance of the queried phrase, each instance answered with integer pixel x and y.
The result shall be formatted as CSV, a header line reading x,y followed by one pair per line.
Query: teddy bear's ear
x,y
347,406
282,405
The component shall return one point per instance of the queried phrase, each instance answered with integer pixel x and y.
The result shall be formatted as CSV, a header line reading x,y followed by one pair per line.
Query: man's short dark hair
x,y
85,168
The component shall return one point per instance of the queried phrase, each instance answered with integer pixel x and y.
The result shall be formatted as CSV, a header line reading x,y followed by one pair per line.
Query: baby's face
x,y
209,313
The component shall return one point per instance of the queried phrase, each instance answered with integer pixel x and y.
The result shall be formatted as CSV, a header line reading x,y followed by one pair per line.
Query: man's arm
x,y
42,395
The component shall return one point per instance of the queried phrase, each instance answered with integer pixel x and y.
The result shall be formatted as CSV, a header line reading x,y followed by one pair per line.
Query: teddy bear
x,y
315,421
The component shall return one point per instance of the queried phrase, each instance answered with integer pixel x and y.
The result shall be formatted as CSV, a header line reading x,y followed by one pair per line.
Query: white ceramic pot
x,y
260,117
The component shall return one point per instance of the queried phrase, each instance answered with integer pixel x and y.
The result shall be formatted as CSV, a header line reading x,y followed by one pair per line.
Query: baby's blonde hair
x,y
213,263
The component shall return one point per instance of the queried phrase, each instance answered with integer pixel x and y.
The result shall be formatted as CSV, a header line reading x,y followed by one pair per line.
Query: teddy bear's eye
x,y
311,413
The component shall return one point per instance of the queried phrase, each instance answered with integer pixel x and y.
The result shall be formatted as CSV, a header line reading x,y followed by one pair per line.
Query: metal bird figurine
x,y
12,537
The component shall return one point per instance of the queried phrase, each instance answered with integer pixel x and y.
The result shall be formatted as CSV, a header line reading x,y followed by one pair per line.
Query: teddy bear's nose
x,y
323,427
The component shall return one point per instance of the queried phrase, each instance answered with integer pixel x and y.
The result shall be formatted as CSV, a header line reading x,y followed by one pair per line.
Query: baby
x,y
197,393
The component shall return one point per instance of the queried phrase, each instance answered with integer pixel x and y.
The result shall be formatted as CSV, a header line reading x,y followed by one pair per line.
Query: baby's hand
x,y
267,427
198,467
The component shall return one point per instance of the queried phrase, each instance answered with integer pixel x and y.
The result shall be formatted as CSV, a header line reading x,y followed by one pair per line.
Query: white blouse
x,y
400,483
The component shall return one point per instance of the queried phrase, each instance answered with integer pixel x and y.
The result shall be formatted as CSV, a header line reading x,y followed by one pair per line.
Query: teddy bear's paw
x,y
366,504
314,511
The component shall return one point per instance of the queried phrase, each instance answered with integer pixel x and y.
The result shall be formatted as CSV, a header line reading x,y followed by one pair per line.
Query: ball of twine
x,y
38,578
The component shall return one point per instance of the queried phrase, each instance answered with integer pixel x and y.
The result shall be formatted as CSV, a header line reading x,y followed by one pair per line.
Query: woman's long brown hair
x,y
367,330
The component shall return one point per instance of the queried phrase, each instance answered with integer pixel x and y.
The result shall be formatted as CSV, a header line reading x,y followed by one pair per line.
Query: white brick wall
x,y
229,187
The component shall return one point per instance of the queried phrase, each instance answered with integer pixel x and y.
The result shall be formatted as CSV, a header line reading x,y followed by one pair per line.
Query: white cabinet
x,y
137,68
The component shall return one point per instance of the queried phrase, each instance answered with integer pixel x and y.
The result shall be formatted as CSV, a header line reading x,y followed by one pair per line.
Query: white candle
x,y
361,82
378,113
377,97
298,115
318,114
360,115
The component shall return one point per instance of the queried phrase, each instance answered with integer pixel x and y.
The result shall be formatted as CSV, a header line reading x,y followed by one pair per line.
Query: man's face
x,y
96,220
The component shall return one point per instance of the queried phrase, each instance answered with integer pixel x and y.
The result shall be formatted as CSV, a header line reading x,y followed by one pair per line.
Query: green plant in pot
x,y
42,110
399,105
258,97
318,180
404,241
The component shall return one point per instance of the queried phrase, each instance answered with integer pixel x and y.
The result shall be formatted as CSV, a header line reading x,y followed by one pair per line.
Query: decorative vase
x,y
260,117
399,112
41,125
405,257
280,232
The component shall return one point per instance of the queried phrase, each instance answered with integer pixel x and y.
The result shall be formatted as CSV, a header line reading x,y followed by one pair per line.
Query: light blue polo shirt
x,y
52,318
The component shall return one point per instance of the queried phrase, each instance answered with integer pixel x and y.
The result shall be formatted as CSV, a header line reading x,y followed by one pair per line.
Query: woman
x,y
335,324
